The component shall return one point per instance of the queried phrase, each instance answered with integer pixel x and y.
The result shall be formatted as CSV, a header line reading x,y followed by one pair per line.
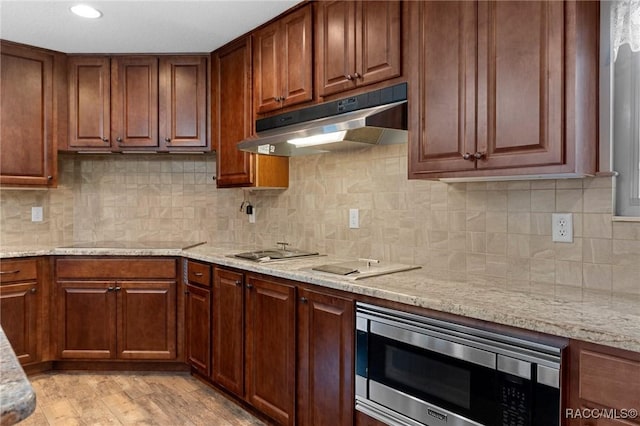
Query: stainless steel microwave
x,y
412,370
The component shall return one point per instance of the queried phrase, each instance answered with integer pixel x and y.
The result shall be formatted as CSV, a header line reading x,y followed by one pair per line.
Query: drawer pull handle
x,y
198,274
9,272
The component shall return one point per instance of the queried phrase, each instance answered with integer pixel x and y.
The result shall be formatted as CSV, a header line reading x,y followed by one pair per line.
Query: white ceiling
x,y
135,26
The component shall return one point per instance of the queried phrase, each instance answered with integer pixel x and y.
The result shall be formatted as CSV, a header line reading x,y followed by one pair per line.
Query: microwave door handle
x,y
435,344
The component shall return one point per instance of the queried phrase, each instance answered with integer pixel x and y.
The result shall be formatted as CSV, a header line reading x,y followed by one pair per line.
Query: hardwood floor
x,y
89,398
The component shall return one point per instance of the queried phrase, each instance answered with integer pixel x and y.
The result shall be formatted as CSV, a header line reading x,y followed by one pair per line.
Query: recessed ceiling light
x,y
86,11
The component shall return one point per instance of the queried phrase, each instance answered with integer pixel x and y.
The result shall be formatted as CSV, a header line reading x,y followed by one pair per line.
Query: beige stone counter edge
x,y
574,312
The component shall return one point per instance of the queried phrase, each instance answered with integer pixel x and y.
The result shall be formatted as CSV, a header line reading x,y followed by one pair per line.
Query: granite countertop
x,y
17,398
573,312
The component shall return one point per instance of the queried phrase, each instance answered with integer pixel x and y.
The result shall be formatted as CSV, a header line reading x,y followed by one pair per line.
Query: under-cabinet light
x,y
86,11
318,139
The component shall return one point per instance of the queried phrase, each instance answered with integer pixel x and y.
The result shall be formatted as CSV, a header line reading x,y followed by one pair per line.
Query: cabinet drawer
x,y
116,268
199,273
18,270
610,381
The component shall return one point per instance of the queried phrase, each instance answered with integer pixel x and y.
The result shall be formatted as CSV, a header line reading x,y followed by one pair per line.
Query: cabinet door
x,y
297,57
18,305
134,101
270,348
198,313
520,83
89,102
443,100
228,330
325,359
232,120
86,319
267,63
146,320
335,46
26,116
378,41
183,101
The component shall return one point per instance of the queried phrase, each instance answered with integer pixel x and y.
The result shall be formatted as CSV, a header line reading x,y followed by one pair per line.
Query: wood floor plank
x,y
61,413
137,398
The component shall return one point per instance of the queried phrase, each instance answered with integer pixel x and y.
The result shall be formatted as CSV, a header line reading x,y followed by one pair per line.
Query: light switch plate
x,y
36,214
354,219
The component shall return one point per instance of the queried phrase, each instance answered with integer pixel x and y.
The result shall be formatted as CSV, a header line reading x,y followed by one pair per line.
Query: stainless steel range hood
x,y
373,118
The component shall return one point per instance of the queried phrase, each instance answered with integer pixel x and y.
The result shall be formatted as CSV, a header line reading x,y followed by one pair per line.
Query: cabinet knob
x,y
479,155
33,290
186,292
213,177
119,139
238,282
249,286
357,75
110,288
303,299
49,177
105,139
349,77
468,156
277,98
167,140
117,289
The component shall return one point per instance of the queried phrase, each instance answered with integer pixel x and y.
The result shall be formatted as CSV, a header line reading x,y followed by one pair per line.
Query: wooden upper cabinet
x,y
232,122
513,92
357,43
134,101
183,101
27,122
89,102
283,62
520,83
145,102
445,102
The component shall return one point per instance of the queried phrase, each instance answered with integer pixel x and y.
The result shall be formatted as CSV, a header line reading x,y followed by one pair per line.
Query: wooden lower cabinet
x,y
146,319
228,330
285,349
101,317
198,328
325,359
20,306
604,386
270,352
86,318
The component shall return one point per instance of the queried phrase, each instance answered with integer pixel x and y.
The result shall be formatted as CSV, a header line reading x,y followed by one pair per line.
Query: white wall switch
x,y
36,214
354,220
252,216
562,227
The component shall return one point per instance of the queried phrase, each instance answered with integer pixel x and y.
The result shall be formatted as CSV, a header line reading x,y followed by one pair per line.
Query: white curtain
x,y
625,25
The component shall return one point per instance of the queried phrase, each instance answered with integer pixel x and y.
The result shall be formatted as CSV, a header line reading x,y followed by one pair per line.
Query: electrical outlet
x,y
562,227
36,214
354,220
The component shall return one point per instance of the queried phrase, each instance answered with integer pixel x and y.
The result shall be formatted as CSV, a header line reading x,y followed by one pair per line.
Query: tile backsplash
x,y
496,232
